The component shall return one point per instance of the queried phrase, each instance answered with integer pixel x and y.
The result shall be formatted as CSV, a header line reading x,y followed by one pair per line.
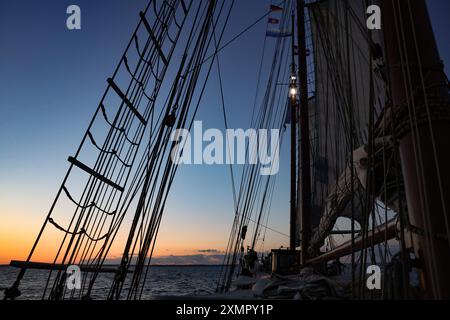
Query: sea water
x,y
162,281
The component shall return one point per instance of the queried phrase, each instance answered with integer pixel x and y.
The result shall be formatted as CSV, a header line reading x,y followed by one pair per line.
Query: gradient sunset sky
x,y
51,80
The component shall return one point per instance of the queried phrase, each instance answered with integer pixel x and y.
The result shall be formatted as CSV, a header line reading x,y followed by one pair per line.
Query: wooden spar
x,y
339,232
50,266
304,157
293,102
419,91
377,236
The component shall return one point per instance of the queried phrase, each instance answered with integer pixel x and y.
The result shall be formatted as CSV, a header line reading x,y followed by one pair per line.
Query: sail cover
x,y
344,74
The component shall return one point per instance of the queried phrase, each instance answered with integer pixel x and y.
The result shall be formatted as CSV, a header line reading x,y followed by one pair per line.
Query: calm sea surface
x,y
161,281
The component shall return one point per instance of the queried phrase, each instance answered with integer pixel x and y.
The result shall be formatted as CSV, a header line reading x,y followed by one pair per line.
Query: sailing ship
x,y
369,113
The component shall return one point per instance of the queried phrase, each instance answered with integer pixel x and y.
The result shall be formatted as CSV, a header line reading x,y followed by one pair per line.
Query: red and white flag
x,y
275,8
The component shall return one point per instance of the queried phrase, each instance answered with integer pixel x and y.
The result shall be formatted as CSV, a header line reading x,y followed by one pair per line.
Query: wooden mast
x,y
294,106
304,153
421,105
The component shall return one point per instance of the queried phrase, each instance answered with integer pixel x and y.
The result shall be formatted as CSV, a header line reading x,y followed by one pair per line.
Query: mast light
x,y
293,91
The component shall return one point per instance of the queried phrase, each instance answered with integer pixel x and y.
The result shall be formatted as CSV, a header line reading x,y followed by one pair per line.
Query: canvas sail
x,y
344,72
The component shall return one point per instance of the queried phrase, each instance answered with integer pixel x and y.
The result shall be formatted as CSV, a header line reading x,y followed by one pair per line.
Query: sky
x,y
51,80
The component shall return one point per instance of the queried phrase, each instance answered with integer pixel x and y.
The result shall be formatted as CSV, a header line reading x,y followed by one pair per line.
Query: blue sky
x,y
51,80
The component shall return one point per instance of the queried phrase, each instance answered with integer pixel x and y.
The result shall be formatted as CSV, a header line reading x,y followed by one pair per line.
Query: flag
x,y
273,33
273,21
275,8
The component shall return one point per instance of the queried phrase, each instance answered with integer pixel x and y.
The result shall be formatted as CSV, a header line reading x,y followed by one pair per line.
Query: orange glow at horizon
x,y
15,244
20,224
179,235
18,233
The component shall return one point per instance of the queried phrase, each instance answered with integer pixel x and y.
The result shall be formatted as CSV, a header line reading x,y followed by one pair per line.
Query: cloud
x,y
195,259
209,259
209,251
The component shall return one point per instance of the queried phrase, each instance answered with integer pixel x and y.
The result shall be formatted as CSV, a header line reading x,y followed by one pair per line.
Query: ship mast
x,y
304,180
421,105
294,106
